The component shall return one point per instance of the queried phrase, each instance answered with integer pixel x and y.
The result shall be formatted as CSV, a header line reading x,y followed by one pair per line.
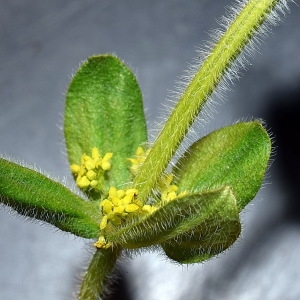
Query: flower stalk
x,y
96,278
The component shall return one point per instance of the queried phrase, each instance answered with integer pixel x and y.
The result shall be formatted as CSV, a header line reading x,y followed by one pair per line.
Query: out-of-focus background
x,y
42,44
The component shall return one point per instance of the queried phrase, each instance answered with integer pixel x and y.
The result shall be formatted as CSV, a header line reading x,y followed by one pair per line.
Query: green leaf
x,y
217,228
35,195
235,156
178,217
104,109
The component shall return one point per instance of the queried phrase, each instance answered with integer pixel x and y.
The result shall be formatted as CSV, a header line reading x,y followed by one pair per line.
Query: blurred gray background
x,y
42,44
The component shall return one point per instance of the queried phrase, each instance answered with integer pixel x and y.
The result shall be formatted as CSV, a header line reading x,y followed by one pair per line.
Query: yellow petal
x,y
106,165
90,164
75,168
139,151
112,192
173,188
103,222
127,199
91,175
83,182
116,201
131,208
120,193
105,161
107,207
107,156
149,209
119,209
132,192
171,196
94,183
95,153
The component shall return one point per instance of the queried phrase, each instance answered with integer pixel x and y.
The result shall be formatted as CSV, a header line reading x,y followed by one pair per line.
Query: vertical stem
x,y
225,51
96,276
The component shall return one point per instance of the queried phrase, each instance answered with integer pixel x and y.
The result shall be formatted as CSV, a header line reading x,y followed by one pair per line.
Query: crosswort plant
x,y
134,197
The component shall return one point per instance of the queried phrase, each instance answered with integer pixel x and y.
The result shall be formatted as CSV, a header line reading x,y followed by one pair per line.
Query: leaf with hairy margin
x,y
35,195
104,109
235,156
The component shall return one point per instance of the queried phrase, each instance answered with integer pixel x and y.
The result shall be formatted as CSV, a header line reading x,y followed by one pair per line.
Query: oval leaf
x,y
35,195
214,234
104,109
235,156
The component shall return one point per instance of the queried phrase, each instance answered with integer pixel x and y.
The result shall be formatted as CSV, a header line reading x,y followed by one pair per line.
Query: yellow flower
x,y
137,161
90,173
121,204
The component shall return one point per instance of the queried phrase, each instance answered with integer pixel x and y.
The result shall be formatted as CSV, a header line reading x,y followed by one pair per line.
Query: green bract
x,y
131,201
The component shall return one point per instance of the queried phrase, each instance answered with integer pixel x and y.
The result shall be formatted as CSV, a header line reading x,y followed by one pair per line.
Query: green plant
x,y
131,198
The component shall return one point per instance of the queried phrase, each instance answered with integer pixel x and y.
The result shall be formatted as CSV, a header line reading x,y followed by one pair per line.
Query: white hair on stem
x,y
231,74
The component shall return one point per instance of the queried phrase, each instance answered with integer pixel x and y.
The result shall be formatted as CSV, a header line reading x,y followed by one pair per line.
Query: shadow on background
x,y
283,118
119,287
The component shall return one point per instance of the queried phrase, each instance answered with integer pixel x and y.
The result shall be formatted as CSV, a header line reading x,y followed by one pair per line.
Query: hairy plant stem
x,y
96,276
209,75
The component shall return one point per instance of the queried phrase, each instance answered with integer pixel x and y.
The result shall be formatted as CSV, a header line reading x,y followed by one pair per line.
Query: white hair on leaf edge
x,y
65,181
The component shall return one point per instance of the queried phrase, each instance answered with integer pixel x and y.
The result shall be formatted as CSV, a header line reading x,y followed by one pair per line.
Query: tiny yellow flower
x,y
94,184
103,222
95,153
75,168
107,207
131,207
90,164
106,161
83,182
120,204
137,161
119,209
168,191
102,243
149,209
90,173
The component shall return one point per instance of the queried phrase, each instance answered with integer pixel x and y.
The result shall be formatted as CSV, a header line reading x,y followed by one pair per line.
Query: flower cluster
x,y
90,173
137,161
124,203
166,190
120,204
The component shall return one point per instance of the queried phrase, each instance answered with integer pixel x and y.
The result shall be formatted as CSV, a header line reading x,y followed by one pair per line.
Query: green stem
x,y
211,72
97,275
